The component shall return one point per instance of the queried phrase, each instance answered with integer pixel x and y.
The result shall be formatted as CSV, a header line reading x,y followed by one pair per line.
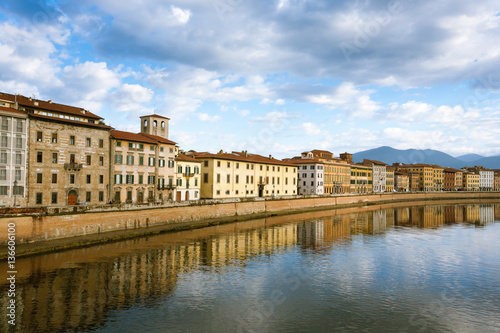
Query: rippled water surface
x,y
406,269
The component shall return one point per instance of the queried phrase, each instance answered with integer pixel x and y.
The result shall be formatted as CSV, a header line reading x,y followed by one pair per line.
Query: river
x,y
403,268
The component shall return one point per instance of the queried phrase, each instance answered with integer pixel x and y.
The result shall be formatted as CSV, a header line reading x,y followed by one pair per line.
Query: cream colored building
x,y
243,175
188,185
471,181
389,179
361,179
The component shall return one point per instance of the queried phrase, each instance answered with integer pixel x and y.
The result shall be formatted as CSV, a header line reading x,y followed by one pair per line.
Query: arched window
x,y
155,123
163,124
145,123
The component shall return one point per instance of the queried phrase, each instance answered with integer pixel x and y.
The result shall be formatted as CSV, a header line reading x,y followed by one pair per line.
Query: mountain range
x,y
390,155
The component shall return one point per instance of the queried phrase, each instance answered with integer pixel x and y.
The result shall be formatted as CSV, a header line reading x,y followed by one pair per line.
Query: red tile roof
x,y
50,106
250,158
159,139
3,108
128,136
74,122
184,158
375,162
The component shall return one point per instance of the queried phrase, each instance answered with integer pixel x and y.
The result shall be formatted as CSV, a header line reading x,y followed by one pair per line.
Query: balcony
x,y
188,174
73,166
167,187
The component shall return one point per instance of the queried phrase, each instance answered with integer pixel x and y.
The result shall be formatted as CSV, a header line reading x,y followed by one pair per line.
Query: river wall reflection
x,y
79,289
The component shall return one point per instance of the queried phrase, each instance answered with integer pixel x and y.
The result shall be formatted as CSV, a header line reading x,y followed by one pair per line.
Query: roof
x,y
251,158
75,122
322,151
452,170
159,139
128,136
184,158
155,115
3,108
303,161
417,165
7,97
374,162
49,105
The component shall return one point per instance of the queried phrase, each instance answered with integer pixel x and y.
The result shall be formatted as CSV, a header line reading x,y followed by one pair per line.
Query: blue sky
x,y
273,77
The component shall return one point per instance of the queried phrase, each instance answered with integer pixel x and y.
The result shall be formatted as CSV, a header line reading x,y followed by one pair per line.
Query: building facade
x,y
68,160
453,179
13,153
471,181
390,178
188,178
426,175
361,179
401,181
241,175
379,175
337,172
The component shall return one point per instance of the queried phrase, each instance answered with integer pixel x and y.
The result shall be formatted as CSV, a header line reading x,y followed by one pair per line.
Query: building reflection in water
x,y
77,289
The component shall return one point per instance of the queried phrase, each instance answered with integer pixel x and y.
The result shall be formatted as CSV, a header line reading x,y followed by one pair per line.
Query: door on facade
x,y
261,191
187,195
72,198
178,196
140,197
117,197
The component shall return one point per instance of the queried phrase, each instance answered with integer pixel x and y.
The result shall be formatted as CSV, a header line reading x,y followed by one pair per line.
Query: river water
x,y
419,268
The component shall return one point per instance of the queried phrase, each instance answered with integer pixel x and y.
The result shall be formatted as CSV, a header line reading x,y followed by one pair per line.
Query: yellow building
x,y
426,175
471,181
242,175
438,178
361,179
401,181
389,179
337,172
188,181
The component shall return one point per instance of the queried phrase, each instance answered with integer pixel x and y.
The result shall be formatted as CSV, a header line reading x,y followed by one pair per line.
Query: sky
x,y
273,77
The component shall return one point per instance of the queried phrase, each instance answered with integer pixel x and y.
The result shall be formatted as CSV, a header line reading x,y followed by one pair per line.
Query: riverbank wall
x,y
40,229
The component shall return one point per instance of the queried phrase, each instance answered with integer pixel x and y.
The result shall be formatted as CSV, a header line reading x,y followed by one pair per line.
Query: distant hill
x,y
428,156
469,157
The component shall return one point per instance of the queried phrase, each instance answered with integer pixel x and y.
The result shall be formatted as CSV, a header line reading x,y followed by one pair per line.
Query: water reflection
x,y
81,289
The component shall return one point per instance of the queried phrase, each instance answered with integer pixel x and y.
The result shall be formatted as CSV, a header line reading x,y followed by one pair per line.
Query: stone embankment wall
x,y
42,225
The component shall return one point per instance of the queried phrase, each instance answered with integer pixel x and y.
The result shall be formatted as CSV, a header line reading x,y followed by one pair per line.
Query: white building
x,y
310,172
486,180
379,175
13,153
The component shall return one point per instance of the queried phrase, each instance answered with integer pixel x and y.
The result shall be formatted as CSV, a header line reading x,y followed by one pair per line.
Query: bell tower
x,y
155,125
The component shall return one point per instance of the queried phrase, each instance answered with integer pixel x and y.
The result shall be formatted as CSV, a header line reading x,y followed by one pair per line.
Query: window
x,y
5,141
72,140
54,178
248,179
205,178
39,136
89,178
141,146
267,168
129,195
179,169
218,192
141,160
19,158
101,143
218,178
118,143
205,163
151,147
228,164
3,174
130,159
101,196
88,196
237,179
161,149
218,163
171,150
101,179
3,190
251,180
5,124
130,145
18,174
196,182
130,179
118,179
141,179
39,198
161,163
151,180
151,161
72,178
101,160
72,158
54,137
118,159
228,179
39,157
171,163
19,127
54,198
89,159
19,142
237,165
3,157
88,142
39,178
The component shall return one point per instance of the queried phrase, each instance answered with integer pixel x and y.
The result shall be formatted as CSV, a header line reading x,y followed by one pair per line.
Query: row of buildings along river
x,y
58,292
55,155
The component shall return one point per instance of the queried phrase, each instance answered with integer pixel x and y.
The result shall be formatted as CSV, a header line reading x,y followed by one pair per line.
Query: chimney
x,y
50,101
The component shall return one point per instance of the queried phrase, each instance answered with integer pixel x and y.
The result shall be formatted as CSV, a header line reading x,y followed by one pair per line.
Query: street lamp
x,y
14,190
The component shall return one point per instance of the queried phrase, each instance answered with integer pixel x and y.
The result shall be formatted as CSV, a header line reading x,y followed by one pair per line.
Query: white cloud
x,y
207,117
